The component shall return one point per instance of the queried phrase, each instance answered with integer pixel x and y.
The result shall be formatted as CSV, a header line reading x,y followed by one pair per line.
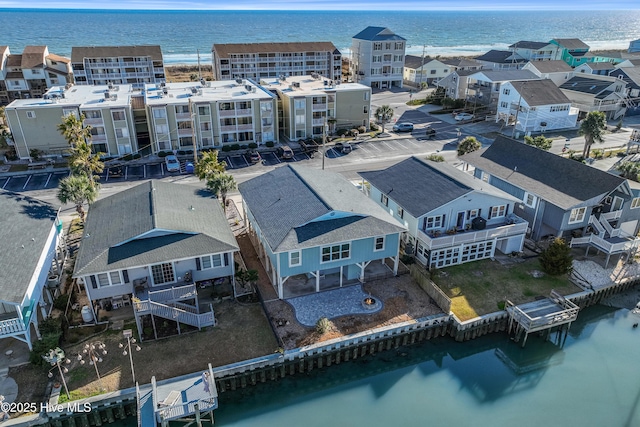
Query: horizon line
x,y
426,9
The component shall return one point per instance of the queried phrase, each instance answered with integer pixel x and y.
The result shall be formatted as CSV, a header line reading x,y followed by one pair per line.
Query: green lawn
x,y
481,287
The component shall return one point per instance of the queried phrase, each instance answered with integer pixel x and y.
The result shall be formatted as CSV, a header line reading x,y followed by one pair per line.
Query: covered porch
x,y
312,282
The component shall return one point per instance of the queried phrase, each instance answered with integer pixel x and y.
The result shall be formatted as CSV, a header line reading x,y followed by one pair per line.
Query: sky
x,y
327,4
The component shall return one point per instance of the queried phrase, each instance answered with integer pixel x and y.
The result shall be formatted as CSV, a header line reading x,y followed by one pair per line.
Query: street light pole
x,y
93,351
128,334
324,141
55,357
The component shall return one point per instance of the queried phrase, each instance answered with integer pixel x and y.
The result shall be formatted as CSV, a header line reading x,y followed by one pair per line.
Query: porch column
x,y
317,280
244,214
273,276
362,267
396,261
341,275
34,318
280,288
43,309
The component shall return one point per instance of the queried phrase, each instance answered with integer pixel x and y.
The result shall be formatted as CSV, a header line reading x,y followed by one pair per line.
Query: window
x,y
159,113
473,213
300,119
617,203
203,111
103,279
555,108
433,71
162,129
498,211
377,58
377,46
506,91
122,133
211,261
115,278
118,115
504,104
397,58
69,112
365,109
432,222
295,259
399,45
366,96
530,200
336,252
400,212
299,104
206,126
635,203
162,273
577,215
379,244
384,200
31,114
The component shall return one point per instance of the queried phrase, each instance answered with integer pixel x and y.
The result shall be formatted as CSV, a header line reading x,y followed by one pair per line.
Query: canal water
x,y
591,380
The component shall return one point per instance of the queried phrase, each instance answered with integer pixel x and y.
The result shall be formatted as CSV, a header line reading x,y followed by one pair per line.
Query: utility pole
x,y
424,47
199,70
515,124
324,141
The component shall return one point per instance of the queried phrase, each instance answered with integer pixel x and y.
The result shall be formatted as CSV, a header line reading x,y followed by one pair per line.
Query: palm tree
x,y
83,162
78,189
208,164
73,130
220,184
384,114
592,128
468,145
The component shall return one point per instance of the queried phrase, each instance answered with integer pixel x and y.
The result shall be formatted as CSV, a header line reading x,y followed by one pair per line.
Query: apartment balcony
x,y
93,122
229,128
437,239
245,127
99,138
318,122
185,132
11,326
183,116
244,112
226,113
319,107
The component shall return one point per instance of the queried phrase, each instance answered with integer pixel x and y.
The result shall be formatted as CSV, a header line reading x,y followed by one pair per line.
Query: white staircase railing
x,y
182,316
174,293
594,221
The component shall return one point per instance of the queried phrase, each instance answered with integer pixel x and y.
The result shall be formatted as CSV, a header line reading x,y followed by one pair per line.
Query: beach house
x,y
377,58
591,92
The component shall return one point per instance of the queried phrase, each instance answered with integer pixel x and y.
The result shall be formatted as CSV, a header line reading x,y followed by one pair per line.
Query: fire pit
x,y
370,303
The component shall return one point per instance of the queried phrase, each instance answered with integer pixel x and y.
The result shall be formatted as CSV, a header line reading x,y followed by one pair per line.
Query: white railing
x,y
244,112
97,121
226,113
245,126
473,236
318,122
11,326
185,132
182,316
319,107
181,410
611,215
596,223
174,293
183,116
604,245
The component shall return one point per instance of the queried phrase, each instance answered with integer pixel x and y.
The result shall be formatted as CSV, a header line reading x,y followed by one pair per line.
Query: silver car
x,y
172,163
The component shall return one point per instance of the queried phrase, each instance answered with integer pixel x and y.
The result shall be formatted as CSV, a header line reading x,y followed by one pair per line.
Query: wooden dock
x,y
540,315
188,399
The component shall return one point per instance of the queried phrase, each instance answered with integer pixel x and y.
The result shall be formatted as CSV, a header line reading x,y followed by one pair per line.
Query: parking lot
x,y
28,182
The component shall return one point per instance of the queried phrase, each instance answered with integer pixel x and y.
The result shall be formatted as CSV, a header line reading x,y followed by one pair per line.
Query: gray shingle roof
x,y
556,66
430,185
540,92
507,75
226,49
525,44
78,53
601,65
377,34
412,61
501,57
631,75
562,182
25,224
462,62
152,222
286,201
572,43
586,85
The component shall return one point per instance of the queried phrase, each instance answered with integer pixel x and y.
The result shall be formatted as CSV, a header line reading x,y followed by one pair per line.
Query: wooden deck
x,y
540,315
177,399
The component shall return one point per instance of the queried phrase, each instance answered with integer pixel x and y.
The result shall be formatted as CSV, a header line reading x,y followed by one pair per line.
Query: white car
x,y
172,163
464,116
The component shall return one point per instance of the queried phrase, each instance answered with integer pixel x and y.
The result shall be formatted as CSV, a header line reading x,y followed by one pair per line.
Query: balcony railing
x,y
245,126
318,122
610,247
183,116
11,326
97,121
185,132
244,112
471,236
319,107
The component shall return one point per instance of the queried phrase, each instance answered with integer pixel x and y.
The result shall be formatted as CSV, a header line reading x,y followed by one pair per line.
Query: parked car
x,y
403,127
343,147
254,156
285,152
430,132
172,163
464,116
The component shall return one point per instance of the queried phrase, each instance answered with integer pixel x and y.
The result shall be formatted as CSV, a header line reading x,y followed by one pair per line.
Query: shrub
x,y
42,347
181,153
556,259
468,145
374,127
253,145
323,325
226,148
407,259
137,156
244,146
35,153
342,132
61,302
435,158
269,144
597,153
11,154
51,326
362,129
162,154
235,147
128,157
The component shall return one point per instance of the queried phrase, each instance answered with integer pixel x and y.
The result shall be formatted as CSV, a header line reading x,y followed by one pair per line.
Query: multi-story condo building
x,y
309,103
378,57
209,114
261,60
107,109
30,74
101,65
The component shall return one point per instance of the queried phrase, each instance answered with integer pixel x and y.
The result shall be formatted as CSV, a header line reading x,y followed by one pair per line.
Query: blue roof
x,y
377,34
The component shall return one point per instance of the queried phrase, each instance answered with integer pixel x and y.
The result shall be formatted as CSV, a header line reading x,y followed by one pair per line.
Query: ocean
x,y
184,34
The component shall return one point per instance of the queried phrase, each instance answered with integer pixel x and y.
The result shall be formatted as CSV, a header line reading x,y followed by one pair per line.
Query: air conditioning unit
x,y
107,95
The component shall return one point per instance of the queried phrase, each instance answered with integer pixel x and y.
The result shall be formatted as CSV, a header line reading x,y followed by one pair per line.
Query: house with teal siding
x,y
451,217
560,197
315,225
32,256
572,51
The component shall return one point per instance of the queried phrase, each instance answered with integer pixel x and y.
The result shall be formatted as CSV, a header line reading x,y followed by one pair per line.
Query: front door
x,y
460,220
